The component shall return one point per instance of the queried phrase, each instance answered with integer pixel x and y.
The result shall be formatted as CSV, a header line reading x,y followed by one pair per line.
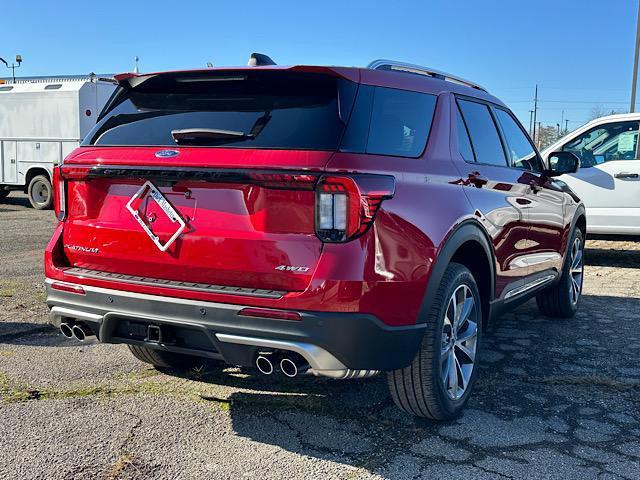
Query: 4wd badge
x,y
150,190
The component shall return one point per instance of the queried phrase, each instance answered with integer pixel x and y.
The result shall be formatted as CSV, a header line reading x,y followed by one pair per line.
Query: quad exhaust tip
x,y
264,365
66,330
78,331
288,367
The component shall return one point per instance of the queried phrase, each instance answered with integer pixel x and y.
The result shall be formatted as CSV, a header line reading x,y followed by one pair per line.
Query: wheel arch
x,y
34,171
469,245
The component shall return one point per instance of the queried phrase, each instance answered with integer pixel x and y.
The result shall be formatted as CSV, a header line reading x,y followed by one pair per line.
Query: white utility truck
x,y
41,121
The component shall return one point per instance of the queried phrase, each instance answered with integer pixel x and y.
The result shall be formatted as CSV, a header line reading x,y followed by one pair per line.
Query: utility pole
x,y
535,112
566,126
531,123
562,119
558,125
634,80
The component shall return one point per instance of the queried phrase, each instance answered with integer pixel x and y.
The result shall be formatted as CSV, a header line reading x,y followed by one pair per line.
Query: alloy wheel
x,y
576,271
459,340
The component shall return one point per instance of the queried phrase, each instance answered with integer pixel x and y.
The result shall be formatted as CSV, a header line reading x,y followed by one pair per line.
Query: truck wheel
x,y
40,192
561,300
3,194
164,359
439,381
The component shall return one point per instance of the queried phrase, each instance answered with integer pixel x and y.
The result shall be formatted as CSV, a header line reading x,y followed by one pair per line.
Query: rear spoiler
x,y
132,80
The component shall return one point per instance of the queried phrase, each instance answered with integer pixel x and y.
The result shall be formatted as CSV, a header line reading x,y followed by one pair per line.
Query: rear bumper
x,y
334,344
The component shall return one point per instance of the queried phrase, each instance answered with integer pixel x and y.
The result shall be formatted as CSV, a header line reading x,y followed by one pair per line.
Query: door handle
x,y
477,179
626,175
13,160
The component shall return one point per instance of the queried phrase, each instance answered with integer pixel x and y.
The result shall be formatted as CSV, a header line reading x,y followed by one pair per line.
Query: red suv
x,y
336,221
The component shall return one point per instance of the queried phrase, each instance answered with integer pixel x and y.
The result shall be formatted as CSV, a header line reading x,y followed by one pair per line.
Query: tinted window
x,y
615,141
521,152
484,136
400,122
464,145
252,109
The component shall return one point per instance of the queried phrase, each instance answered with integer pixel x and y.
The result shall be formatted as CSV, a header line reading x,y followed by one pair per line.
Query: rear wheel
x,y
561,300
40,192
164,359
439,381
3,194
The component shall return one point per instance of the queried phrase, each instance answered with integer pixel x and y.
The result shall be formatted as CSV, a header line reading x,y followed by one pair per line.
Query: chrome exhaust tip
x,y
81,332
288,367
66,330
291,367
264,365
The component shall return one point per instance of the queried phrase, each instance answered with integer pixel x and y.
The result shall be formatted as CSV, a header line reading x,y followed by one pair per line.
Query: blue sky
x,y
580,52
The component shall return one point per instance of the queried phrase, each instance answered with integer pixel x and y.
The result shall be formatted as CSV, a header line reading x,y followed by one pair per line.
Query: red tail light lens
x,y
60,194
269,313
346,205
67,287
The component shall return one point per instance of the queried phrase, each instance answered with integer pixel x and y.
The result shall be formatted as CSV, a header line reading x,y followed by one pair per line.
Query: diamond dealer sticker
x,y
163,203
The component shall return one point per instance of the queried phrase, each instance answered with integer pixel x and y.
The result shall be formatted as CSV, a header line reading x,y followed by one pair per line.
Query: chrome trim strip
x,y
57,313
525,288
157,282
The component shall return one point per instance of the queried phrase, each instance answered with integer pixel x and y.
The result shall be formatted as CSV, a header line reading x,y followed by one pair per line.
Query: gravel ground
x,y
556,399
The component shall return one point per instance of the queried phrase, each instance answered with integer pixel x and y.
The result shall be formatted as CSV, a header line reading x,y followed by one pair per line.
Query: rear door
x,y
608,181
499,193
228,201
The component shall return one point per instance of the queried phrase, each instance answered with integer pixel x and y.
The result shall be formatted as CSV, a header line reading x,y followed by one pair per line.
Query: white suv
x,y
608,181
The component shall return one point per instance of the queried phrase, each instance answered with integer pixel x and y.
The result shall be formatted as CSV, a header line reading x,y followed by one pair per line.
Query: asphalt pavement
x,y
555,399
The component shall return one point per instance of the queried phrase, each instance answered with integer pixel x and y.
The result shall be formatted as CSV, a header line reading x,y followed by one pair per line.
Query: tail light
x,y
60,194
346,205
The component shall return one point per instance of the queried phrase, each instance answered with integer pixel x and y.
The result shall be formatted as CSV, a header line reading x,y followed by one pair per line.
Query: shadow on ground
x,y
548,389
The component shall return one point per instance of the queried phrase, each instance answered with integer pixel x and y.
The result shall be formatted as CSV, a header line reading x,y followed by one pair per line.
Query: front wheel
x,y
439,381
561,300
40,192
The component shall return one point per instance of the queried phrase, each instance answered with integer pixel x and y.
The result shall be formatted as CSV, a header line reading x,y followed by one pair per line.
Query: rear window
x,y
232,109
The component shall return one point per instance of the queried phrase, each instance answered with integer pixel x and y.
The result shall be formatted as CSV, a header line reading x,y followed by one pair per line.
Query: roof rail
x,y
420,70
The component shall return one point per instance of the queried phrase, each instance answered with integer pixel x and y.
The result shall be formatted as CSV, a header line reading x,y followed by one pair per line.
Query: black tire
x,y
163,359
40,192
3,194
419,389
559,300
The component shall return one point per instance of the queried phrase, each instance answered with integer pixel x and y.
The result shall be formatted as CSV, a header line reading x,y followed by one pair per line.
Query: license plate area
x,y
156,216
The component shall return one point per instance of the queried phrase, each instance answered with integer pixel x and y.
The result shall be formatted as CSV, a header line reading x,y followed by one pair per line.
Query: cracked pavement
x,y
555,399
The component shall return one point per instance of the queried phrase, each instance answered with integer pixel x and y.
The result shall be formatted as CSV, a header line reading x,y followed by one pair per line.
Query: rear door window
x,y
464,144
484,135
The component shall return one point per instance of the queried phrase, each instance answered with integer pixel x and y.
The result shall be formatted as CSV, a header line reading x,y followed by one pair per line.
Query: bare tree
x,y
546,135
599,111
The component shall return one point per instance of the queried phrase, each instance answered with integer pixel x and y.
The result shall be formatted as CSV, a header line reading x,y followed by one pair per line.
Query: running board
x,y
529,286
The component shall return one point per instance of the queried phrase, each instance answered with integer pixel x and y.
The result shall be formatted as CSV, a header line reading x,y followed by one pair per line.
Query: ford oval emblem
x,y
167,153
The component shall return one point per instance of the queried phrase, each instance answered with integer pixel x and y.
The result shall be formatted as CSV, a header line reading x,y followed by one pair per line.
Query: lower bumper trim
x,y
335,344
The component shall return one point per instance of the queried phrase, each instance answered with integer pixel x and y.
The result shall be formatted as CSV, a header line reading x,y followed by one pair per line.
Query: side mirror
x,y
561,163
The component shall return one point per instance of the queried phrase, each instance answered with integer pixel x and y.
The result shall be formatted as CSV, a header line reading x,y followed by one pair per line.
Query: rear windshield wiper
x,y
189,135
